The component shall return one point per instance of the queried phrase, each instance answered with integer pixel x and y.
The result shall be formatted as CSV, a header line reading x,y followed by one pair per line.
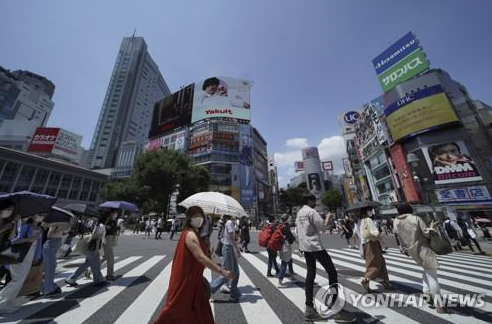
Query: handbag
x,y
218,249
81,247
32,284
439,241
14,253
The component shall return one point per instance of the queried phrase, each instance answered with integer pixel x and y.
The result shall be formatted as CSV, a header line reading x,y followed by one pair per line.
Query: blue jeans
x,y
229,262
283,269
291,268
49,263
92,261
272,261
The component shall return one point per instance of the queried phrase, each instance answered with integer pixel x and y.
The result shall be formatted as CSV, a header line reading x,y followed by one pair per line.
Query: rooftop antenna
x,y
134,31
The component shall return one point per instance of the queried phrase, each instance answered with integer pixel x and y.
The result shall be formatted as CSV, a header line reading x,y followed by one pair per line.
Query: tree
x,y
332,199
158,172
291,197
195,180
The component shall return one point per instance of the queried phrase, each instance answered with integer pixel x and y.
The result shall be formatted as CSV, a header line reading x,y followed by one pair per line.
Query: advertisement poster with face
x,y
451,162
222,97
246,165
314,182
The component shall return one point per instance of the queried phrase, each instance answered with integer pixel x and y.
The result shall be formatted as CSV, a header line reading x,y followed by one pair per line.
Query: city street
x,y
145,265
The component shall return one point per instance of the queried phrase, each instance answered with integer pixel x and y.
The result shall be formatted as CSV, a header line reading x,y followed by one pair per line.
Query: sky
x,y
309,60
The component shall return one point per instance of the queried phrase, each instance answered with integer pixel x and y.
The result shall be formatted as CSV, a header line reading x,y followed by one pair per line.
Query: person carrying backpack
x,y
453,231
264,240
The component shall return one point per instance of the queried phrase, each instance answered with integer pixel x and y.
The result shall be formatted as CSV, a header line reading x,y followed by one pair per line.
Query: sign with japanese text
x,y
327,165
467,194
43,140
299,166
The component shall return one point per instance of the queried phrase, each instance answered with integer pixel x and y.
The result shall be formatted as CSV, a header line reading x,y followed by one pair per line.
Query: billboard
x,y
310,152
43,140
174,141
395,53
221,97
347,167
314,183
404,70
299,166
327,165
375,112
348,120
451,163
466,194
172,112
55,141
419,112
246,167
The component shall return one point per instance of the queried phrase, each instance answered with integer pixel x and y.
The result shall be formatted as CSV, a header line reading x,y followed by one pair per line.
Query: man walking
x,y
309,225
173,227
159,229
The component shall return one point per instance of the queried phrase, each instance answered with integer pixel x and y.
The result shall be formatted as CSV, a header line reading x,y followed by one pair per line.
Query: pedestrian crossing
x,y
138,295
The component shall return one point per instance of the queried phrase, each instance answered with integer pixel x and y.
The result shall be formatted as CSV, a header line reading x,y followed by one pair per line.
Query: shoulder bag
x,y
439,241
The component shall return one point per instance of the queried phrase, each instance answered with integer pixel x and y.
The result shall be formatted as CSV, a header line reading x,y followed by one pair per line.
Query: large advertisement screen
x,y
419,112
246,165
174,141
172,112
222,97
451,162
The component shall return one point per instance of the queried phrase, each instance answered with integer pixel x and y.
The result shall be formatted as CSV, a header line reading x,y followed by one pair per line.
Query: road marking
x,y
142,309
87,307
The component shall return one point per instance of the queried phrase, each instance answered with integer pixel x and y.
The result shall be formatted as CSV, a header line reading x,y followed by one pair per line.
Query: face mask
x,y
196,222
6,213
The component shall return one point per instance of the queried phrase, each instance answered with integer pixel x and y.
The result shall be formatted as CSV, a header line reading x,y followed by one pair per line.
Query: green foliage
x,y
332,199
290,197
154,177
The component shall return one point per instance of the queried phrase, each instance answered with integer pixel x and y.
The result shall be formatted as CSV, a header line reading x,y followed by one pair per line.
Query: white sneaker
x,y
225,290
350,246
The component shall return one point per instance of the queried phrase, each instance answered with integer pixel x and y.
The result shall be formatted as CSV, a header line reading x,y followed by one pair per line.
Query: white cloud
x,y
287,158
297,142
333,149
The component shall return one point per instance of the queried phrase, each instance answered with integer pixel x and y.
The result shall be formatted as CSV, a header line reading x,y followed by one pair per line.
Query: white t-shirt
x,y
230,227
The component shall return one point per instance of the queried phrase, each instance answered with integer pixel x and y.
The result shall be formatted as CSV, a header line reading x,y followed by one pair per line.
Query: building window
x,y
8,177
65,186
86,187
25,178
74,191
40,180
53,184
95,191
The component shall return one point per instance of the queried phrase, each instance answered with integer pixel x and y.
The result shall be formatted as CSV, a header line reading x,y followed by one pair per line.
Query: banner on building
x,y
347,167
466,194
298,166
419,112
174,141
348,120
246,165
451,162
310,152
172,112
327,165
222,97
56,141
401,61
314,183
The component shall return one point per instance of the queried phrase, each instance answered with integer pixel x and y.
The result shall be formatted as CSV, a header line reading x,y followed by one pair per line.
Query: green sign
x,y
410,66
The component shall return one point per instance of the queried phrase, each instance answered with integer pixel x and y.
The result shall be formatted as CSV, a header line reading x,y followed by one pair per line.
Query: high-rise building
x,y
25,96
135,86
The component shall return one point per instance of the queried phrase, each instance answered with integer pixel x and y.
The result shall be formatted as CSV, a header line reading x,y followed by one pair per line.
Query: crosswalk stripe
x,y
294,293
454,265
407,260
384,315
473,256
460,258
406,282
39,304
440,273
450,283
256,308
207,273
142,309
90,305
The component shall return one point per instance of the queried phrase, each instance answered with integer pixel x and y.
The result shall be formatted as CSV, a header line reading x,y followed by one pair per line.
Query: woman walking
x,y
413,235
187,300
244,234
370,249
286,251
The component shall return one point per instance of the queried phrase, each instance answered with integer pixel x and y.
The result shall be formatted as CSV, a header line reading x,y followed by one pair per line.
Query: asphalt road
x,y
145,265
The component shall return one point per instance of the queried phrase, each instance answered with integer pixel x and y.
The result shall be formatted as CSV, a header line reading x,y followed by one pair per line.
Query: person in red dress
x,y
187,301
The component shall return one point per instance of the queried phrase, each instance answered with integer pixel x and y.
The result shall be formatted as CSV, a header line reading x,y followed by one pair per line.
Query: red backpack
x,y
265,235
277,239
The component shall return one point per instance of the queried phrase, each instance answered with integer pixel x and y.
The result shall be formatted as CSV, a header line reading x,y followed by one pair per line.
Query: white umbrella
x,y
215,203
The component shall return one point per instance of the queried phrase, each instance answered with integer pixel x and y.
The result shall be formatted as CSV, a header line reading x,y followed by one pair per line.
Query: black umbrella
x,y
58,215
83,209
29,203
